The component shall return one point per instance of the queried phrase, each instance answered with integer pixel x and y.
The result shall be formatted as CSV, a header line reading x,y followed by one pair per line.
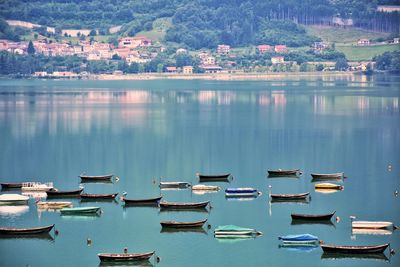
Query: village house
x,y
264,48
64,74
211,68
171,69
319,46
122,52
223,49
277,60
40,73
134,42
3,44
181,51
210,60
94,55
187,69
202,55
363,42
280,48
396,40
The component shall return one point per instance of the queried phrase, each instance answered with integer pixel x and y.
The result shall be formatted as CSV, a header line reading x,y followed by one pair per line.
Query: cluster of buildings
x,y
127,49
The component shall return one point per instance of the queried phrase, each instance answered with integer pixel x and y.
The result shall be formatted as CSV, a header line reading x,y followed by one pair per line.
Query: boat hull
x,y
194,205
54,194
10,185
276,173
355,249
118,257
148,201
371,225
174,224
312,217
98,196
337,175
174,184
217,177
26,231
289,196
88,210
96,178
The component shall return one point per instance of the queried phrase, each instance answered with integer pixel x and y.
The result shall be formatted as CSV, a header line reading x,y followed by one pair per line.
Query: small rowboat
x,y
355,249
371,225
143,201
125,256
200,187
289,196
98,196
213,177
80,210
37,187
280,172
10,185
329,186
305,239
312,217
26,231
336,175
13,199
55,193
174,184
85,178
233,231
54,204
182,205
174,224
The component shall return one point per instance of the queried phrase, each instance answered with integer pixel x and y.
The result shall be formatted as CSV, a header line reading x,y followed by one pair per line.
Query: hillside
x,y
203,23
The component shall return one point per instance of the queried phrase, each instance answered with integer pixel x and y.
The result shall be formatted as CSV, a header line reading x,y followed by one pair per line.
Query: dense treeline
x,y
388,61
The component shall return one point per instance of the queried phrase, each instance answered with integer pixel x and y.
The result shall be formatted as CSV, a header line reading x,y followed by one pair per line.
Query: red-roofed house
x,y
280,48
264,48
363,42
133,42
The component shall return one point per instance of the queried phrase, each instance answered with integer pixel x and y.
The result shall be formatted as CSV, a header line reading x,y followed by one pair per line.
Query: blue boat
x,y
241,190
303,239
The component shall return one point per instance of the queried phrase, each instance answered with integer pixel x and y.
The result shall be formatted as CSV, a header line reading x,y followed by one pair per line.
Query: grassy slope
x,y
346,41
160,27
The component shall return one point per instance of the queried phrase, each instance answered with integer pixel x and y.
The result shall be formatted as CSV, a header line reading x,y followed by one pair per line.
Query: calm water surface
x,y
144,131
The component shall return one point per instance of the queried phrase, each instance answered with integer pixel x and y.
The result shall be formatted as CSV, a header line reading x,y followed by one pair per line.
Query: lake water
x,y
144,131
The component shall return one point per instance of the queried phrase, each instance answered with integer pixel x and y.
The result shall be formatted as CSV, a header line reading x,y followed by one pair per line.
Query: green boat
x,y
233,231
80,210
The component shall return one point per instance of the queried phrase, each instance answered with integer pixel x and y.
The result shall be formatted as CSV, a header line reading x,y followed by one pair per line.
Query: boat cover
x,y
302,237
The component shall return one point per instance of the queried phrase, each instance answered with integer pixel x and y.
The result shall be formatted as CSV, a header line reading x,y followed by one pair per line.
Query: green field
x,y
343,35
359,53
160,27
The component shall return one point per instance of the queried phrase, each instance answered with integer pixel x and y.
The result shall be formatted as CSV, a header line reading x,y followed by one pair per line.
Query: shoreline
x,y
220,76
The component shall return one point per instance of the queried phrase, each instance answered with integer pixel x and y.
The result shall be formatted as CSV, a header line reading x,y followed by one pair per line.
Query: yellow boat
x,y
329,186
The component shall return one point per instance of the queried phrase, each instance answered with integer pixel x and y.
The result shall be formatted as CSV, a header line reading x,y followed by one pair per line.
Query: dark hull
x,y
355,249
195,205
11,185
125,256
327,176
98,196
312,217
289,196
96,178
26,231
173,224
74,193
139,202
277,173
220,177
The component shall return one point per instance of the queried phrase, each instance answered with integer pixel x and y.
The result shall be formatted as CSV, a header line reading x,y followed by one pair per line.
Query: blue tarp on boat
x,y
302,237
240,190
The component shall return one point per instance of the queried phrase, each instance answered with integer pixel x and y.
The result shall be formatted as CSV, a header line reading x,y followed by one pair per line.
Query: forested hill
x,y
204,23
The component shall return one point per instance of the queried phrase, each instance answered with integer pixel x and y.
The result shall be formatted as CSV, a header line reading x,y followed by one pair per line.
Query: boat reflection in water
x,y
44,237
194,230
299,248
13,211
367,256
356,231
81,217
305,222
126,264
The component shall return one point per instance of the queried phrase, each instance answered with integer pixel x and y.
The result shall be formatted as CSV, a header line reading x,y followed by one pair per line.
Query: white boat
x,y
13,210
202,187
54,204
371,225
13,199
35,186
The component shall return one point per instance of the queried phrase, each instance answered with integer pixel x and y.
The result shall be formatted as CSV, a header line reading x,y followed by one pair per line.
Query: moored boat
x,y
174,185
371,225
98,196
80,210
289,196
336,175
281,172
52,193
53,204
10,185
184,205
355,249
175,224
106,177
201,187
233,231
142,201
26,231
10,199
328,186
299,239
37,187
312,217
125,256
213,177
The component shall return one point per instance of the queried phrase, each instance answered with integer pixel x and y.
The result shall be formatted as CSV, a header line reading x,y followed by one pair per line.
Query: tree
x,y
116,57
31,48
341,64
320,67
93,33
